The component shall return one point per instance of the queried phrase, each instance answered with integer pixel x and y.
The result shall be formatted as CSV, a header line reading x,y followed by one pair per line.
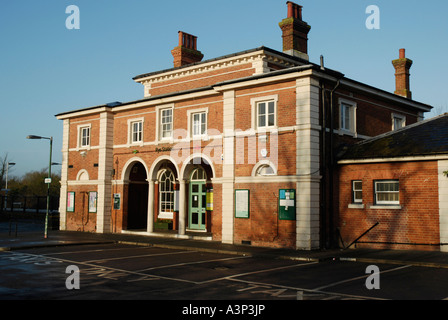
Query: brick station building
x,y
237,149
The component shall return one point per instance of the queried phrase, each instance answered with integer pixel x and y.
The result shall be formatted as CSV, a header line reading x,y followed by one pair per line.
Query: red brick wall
x,y
81,219
263,228
416,222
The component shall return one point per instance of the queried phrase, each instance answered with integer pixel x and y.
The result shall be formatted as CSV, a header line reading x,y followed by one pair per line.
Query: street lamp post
x,y
9,164
47,181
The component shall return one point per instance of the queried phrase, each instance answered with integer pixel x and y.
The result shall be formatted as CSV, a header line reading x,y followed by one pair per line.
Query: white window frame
x,y
255,102
347,107
386,202
257,170
163,214
191,114
131,131
159,129
400,118
81,129
355,190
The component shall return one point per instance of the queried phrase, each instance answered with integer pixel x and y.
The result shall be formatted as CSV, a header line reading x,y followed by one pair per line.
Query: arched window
x,y
166,194
198,174
265,170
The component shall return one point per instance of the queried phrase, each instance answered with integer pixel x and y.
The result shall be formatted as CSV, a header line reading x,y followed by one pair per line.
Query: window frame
x,y
170,124
81,128
266,114
203,131
351,106
255,104
386,202
163,214
400,118
356,200
131,124
159,125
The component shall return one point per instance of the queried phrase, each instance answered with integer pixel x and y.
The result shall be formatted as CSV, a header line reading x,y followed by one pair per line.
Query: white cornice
x,y
203,67
259,55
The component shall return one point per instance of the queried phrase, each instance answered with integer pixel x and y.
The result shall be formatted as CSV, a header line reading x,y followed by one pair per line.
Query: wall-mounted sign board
x,y
242,203
287,204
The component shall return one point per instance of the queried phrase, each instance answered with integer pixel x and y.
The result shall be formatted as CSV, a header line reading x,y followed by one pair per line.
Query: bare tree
x,y
3,167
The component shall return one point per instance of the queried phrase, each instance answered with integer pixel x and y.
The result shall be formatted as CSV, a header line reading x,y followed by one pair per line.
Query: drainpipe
x,y
331,167
324,166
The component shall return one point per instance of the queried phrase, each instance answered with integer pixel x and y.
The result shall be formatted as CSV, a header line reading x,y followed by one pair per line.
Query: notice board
x,y
287,204
242,203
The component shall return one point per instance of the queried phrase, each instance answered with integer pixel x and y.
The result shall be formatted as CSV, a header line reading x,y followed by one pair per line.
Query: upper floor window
x,y
264,112
347,116
398,121
136,131
84,136
166,123
199,124
387,192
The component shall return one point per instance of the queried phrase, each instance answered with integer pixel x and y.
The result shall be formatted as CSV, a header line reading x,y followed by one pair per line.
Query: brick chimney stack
x,y
402,66
186,52
295,32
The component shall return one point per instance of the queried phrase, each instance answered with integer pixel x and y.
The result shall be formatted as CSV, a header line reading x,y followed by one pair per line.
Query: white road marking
x,y
138,256
357,278
261,271
190,263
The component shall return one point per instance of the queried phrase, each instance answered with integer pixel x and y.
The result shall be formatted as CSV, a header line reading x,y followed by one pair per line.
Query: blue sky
x,y
46,68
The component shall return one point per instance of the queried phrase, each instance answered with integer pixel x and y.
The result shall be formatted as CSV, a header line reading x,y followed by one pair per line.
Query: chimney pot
x,y
294,10
295,32
402,53
186,52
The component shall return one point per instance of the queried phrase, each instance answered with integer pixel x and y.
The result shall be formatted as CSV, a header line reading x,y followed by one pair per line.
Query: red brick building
x,y
398,183
235,149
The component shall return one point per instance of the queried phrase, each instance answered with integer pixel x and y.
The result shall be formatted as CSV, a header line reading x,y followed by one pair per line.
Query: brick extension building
x,y
236,149
398,183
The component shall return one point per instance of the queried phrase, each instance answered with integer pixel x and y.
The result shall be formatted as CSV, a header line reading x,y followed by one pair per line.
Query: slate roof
x,y
429,137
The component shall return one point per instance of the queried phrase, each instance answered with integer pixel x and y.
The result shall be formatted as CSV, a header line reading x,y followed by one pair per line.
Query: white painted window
x,y
166,123
136,131
166,194
84,136
347,116
398,121
387,192
266,114
357,191
199,124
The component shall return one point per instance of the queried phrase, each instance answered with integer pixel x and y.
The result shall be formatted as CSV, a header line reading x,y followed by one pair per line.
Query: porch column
x,y
182,208
150,225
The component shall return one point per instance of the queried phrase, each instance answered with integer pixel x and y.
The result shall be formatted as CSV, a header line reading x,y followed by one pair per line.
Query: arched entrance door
x,y
197,200
137,198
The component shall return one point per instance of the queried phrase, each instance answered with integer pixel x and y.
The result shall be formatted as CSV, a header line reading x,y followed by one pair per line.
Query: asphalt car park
x,y
135,272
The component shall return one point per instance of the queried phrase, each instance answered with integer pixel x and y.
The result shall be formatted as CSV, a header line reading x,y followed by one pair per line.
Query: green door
x,y
197,205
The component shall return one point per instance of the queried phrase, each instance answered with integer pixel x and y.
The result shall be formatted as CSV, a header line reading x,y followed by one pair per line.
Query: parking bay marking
x,y
100,271
139,256
190,263
357,278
